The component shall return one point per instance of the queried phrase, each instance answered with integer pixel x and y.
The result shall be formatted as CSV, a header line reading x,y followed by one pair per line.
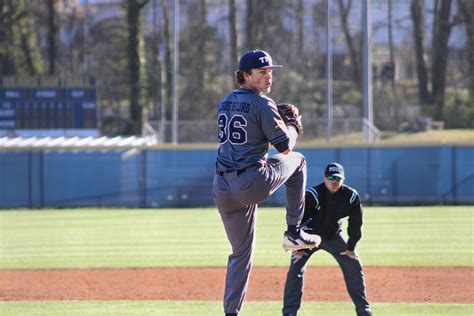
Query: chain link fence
x,y
206,131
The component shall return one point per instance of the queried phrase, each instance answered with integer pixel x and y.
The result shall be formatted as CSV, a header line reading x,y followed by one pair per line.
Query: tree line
x,y
423,55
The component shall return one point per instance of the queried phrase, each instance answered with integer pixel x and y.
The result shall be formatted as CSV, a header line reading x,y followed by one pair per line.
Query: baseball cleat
x,y
303,240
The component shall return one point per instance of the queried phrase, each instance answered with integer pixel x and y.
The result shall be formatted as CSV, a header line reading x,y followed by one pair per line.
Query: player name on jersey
x,y
234,107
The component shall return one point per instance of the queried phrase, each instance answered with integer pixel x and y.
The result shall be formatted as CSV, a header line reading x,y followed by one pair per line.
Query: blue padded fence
x,y
183,178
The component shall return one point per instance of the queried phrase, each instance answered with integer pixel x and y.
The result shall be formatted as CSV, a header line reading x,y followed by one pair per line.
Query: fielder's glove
x,y
290,115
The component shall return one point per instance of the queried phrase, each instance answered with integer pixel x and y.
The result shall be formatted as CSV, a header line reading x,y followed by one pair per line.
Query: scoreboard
x,y
47,104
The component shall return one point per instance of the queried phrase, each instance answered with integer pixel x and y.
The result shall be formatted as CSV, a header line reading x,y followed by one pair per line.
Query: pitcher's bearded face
x,y
259,80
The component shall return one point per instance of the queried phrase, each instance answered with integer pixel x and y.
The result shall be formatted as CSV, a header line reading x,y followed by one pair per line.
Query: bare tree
x,y
234,55
418,18
297,51
198,45
390,43
7,18
168,64
133,10
299,17
354,53
18,50
109,65
442,26
440,51
250,25
467,11
201,45
53,33
154,65
257,12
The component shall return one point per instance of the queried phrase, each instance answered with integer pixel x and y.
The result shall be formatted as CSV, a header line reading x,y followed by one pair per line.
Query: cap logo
x,y
256,59
333,169
263,60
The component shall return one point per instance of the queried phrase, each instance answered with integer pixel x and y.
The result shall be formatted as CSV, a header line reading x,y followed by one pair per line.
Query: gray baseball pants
x,y
237,196
351,269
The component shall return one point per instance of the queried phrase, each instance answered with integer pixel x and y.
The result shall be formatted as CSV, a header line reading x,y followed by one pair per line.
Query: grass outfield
x,y
92,238
114,238
173,308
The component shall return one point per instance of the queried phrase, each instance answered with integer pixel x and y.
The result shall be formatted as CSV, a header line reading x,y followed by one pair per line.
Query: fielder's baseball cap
x,y
256,59
334,169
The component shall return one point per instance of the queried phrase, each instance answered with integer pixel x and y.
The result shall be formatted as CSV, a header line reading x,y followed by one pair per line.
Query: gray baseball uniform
x,y
245,177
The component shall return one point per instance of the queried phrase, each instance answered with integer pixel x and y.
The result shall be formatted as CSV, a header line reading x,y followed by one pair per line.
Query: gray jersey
x,y
248,122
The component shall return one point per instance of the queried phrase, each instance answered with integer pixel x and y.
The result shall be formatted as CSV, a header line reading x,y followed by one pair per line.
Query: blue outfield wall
x,y
183,178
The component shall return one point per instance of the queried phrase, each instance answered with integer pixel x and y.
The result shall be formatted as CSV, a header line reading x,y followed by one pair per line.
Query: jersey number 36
x,y
233,129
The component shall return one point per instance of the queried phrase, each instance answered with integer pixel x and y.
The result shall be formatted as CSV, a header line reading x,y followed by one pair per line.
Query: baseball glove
x,y
290,115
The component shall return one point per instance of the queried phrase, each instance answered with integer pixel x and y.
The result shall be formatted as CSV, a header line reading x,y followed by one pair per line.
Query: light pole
x,y
174,131
329,69
368,121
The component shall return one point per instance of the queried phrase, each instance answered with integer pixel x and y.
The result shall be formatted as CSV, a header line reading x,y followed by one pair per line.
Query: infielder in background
x,y
326,204
248,122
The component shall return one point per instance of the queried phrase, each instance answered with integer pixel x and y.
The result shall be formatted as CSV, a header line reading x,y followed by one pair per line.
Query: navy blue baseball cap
x,y
334,169
256,59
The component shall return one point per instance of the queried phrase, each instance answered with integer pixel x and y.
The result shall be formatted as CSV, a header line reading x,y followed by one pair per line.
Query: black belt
x,y
239,172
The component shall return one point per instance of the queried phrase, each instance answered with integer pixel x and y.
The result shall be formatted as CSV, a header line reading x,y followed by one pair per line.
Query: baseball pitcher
x,y
245,176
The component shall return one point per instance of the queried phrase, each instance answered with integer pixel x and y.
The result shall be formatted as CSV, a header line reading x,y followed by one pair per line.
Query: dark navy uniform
x,y
326,210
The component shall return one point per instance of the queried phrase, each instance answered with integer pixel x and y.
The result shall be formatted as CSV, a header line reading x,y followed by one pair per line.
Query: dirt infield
x,y
428,285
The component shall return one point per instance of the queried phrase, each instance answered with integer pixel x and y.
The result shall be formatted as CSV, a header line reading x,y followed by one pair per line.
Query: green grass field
x,y
184,308
390,138
107,238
